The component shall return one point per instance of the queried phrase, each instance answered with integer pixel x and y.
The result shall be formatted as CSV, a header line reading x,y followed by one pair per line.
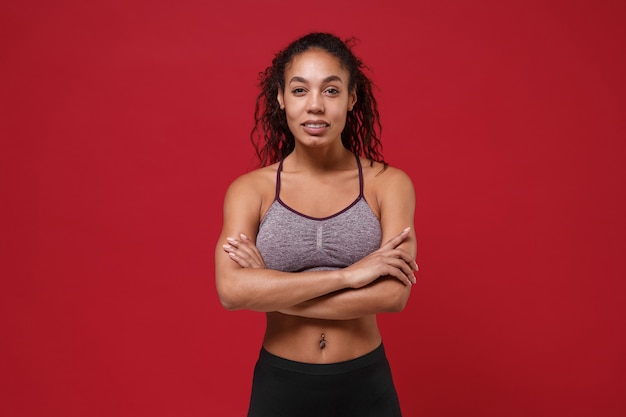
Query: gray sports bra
x,y
291,241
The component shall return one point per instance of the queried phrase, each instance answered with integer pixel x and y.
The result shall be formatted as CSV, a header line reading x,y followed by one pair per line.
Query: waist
x,y
333,368
300,339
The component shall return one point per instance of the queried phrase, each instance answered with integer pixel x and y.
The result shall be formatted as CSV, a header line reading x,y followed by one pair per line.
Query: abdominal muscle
x,y
298,338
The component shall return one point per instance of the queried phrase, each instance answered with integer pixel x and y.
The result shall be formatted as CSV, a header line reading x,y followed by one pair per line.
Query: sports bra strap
x,y
358,163
280,168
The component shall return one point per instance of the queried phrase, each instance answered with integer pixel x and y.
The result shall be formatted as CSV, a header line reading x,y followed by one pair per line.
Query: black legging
x,y
361,387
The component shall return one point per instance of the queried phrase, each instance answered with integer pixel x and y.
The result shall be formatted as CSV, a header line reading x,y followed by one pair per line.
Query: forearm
x,y
382,296
270,290
244,282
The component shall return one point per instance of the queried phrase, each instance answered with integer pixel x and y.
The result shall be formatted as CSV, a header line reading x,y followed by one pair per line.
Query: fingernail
x,y
406,230
230,239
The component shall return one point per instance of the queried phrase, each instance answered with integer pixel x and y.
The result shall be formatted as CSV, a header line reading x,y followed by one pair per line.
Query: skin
x,y
341,304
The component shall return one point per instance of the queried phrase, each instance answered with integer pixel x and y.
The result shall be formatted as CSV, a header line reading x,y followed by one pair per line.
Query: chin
x,y
315,141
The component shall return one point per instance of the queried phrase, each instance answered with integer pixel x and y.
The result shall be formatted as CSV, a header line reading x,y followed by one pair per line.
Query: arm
x,y
396,199
386,294
381,296
262,289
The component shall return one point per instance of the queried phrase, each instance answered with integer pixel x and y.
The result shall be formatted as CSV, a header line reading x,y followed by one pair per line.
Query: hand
x,y
244,252
389,260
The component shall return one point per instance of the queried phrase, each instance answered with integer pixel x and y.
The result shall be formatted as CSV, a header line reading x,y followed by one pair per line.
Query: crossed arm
x,y
380,282
386,293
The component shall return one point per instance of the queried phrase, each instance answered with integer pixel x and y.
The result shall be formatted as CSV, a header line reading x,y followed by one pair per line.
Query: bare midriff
x,y
298,338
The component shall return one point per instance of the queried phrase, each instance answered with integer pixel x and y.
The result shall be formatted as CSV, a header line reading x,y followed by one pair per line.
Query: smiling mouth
x,y
315,125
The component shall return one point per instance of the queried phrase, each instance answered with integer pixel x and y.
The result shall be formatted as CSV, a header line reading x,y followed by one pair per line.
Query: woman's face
x,y
316,99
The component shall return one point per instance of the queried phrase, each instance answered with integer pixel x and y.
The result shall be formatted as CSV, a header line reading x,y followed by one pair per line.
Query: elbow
x,y
398,300
228,303
396,307
232,300
229,297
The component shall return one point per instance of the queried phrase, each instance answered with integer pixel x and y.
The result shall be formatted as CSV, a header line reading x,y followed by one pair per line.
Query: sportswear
x,y
291,241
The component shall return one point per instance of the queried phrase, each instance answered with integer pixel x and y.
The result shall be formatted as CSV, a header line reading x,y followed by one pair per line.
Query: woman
x,y
301,239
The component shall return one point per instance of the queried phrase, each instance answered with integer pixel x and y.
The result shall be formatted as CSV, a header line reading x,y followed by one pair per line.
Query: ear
x,y
281,98
352,100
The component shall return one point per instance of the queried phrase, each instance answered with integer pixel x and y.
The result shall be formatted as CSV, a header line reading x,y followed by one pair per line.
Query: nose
x,y
315,103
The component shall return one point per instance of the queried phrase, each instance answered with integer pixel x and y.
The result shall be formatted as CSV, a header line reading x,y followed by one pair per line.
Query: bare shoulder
x,y
248,197
384,180
389,192
254,183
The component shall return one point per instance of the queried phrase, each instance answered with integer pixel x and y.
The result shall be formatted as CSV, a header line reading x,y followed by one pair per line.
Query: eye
x,y
332,91
298,91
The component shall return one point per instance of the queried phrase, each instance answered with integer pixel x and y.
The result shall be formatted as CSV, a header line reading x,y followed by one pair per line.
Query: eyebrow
x,y
326,80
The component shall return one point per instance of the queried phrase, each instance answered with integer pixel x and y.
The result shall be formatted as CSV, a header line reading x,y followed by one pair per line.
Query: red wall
x,y
122,123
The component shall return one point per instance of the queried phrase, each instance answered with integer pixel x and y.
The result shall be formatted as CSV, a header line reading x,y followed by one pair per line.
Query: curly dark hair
x,y
271,136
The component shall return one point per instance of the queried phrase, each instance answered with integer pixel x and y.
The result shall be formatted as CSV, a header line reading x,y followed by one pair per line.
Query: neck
x,y
320,159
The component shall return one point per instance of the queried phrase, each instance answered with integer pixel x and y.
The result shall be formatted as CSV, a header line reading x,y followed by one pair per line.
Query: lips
x,y
315,124
315,127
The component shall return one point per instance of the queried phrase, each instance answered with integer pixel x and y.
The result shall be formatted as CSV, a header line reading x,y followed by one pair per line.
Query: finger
x,y
405,268
396,240
240,261
253,251
401,254
232,241
245,251
233,249
233,252
245,243
399,275
240,252
409,267
399,258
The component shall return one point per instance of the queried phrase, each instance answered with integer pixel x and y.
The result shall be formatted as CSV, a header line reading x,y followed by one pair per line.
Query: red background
x,y
123,122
